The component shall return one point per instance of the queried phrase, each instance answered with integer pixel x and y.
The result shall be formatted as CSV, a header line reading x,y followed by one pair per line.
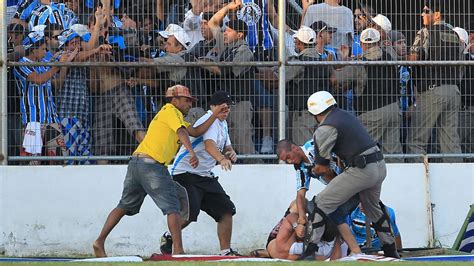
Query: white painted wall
x,y
60,210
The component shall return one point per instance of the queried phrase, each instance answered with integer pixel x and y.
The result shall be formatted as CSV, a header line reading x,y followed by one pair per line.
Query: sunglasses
x,y
360,16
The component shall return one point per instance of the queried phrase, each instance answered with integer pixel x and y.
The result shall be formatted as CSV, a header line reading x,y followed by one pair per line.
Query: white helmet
x,y
319,101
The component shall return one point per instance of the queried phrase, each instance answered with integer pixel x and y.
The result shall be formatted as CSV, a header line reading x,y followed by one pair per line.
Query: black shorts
x,y
205,193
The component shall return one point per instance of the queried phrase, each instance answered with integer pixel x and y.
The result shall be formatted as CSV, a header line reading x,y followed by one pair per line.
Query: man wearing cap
x,y
202,186
72,95
147,172
439,99
377,103
308,80
324,35
37,104
176,51
341,133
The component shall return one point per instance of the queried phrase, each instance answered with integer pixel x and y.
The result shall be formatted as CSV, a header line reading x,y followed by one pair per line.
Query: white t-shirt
x,y
339,17
218,132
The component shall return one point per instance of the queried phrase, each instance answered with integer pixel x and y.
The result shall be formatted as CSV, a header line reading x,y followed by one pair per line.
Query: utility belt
x,y
360,161
145,158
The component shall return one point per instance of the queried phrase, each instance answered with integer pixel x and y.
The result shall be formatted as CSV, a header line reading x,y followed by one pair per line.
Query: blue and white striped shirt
x,y
36,100
303,170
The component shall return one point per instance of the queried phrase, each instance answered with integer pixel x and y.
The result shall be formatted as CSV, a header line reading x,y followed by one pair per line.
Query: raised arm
x,y
202,128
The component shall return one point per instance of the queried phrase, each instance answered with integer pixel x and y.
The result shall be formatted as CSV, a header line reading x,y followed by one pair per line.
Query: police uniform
x,y
439,97
377,104
343,134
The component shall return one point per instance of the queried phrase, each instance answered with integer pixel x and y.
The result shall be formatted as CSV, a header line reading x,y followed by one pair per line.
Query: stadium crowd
x,y
104,111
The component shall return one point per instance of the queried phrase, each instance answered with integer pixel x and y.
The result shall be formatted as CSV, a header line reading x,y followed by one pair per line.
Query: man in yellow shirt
x,y
147,172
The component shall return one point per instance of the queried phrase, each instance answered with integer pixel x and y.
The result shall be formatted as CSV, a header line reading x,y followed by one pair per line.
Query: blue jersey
x,y
406,88
255,14
25,7
56,13
303,170
357,224
356,48
36,100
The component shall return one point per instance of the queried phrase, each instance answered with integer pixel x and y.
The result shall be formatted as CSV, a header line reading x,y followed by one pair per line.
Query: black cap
x,y
220,97
322,26
238,25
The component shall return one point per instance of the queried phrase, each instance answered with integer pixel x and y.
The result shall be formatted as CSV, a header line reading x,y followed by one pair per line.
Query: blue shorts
x,y
261,97
151,179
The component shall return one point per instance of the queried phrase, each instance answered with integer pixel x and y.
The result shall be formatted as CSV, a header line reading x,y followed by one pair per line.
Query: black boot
x,y
390,250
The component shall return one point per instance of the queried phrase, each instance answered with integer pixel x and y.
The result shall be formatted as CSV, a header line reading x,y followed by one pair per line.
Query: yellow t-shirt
x,y
161,141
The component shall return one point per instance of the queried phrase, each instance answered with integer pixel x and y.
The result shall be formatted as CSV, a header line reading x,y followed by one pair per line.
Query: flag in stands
x,y
467,241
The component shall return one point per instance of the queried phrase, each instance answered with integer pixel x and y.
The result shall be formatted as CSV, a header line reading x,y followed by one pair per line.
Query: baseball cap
x,y
66,36
370,35
35,37
395,36
220,97
383,22
82,30
320,26
179,33
238,25
463,35
179,91
306,35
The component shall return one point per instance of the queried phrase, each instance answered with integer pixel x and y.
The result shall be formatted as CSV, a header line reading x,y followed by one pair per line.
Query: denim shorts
x,y
151,179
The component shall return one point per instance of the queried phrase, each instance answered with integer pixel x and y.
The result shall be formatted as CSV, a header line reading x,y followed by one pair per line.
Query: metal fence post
x,y
3,82
281,66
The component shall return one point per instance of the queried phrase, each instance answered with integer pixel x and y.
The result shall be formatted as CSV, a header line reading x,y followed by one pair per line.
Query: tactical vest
x,y
444,45
352,137
382,87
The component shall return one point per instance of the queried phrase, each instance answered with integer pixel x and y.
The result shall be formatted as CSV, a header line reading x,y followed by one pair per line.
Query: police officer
x,y
342,133
436,84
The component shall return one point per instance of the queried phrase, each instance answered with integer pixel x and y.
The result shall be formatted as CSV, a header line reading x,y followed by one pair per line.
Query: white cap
x,y
80,29
306,35
383,22
370,35
319,101
179,33
463,35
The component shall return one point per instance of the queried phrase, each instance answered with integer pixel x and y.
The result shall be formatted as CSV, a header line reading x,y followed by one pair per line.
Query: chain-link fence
x,y
85,78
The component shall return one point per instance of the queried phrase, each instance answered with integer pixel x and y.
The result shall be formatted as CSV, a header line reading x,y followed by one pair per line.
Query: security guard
x,y
342,133
439,98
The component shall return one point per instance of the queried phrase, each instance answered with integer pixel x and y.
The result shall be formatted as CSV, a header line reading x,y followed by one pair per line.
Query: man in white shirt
x,y
333,14
204,191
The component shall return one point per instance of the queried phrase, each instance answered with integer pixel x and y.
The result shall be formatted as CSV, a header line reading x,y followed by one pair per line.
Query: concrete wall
x,y
60,210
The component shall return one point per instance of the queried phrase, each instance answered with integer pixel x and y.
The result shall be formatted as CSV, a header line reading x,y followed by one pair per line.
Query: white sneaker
x,y
267,145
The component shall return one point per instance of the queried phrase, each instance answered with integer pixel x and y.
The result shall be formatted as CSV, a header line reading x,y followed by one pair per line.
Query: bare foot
x,y
99,250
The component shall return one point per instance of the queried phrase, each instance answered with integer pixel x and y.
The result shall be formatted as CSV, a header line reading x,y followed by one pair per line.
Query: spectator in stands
x,y
212,44
37,105
334,15
237,80
360,24
407,88
439,99
466,116
16,34
384,26
72,95
377,104
113,99
357,222
311,79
